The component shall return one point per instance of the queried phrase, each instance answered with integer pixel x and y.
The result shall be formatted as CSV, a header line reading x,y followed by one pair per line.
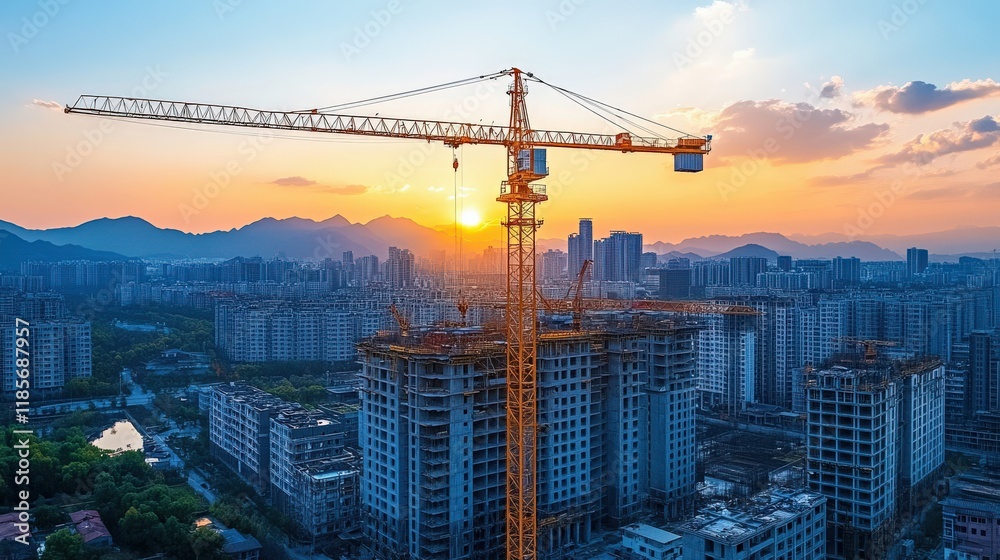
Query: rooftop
x,y
733,523
89,525
7,529
652,533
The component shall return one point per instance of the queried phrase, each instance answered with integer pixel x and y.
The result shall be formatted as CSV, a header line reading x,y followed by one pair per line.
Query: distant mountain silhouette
x,y
715,245
679,255
957,241
749,250
14,251
291,237
305,238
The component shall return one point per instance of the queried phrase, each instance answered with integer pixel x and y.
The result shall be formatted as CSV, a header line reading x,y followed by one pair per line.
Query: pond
x,y
121,437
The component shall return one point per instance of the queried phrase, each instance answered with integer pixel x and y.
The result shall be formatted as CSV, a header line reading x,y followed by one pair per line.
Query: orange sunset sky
x,y
822,114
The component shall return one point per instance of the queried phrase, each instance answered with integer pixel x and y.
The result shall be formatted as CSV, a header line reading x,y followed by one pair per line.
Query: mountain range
x,y
717,246
268,237
14,251
304,238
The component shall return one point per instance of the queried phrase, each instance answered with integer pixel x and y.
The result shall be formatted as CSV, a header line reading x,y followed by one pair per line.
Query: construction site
x,y
615,435
875,438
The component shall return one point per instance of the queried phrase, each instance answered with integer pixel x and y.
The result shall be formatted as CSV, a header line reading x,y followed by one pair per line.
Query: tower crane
x,y
870,346
521,193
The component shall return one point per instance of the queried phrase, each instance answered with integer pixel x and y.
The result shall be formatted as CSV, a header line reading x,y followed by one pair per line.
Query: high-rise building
x,y
916,261
982,384
875,436
239,431
295,457
555,265
675,283
921,434
618,258
60,352
853,442
399,268
432,434
727,362
846,272
745,270
616,434
671,355
784,263
580,246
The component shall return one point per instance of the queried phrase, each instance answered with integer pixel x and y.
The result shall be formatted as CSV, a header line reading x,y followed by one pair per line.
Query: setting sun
x,y
470,217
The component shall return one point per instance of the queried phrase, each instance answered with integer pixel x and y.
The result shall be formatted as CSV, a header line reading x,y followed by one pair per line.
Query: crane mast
x,y
521,194
521,197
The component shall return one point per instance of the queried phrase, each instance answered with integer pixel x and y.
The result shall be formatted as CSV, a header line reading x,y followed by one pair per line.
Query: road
x,y
137,397
200,485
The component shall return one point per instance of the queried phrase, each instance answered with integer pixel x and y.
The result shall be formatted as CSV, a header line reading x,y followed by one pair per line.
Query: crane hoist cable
x,y
404,94
609,107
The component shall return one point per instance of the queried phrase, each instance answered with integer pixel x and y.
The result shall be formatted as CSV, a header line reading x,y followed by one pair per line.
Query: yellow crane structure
x,y
520,192
870,346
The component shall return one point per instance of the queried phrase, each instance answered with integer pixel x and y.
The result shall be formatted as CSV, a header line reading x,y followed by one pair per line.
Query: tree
x,y
48,516
63,545
206,543
142,531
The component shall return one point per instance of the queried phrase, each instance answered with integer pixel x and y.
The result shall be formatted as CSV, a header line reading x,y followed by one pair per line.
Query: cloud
x,y
989,190
55,106
719,10
839,180
295,181
832,89
379,189
743,54
921,97
938,194
962,137
989,162
785,132
345,189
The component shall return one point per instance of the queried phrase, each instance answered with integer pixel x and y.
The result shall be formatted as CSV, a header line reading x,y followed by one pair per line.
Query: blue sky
x,y
636,55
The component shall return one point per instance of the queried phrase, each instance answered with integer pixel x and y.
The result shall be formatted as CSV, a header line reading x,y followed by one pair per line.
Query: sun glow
x,y
470,218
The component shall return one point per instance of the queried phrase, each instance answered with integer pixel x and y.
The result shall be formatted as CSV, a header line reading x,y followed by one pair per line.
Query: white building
x,y
644,542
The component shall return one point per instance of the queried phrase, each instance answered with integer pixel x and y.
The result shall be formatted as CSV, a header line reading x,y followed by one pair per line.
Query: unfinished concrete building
x,y
875,432
432,433
615,437
853,441
772,524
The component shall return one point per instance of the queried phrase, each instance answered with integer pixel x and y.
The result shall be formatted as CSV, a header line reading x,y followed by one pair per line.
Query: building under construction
x,y
615,436
875,432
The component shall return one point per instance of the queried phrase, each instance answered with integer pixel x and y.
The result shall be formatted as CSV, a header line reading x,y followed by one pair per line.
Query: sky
x,y
854,118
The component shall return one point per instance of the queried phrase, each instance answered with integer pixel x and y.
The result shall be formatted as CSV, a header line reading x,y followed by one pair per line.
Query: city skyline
x,y
833,128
